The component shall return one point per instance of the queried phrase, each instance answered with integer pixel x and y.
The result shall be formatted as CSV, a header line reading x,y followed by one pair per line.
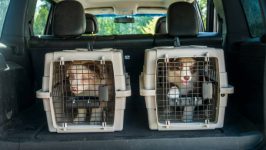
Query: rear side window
x,y
41,17
203,10
3,9
254,17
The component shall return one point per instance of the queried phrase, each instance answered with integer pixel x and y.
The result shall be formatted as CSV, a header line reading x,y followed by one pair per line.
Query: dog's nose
x,y
187,78
74,88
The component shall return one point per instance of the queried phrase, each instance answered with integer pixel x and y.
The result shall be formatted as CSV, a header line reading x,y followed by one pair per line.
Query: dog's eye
x,y
87,77
91,77
193,68
177,66
71,76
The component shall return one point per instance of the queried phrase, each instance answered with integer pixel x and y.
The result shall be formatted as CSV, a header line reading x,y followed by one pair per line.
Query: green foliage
x,y
142,25
40,17
150,27
3,9
203,10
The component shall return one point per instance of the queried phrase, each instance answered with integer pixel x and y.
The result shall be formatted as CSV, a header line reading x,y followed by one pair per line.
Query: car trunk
x,y
23,123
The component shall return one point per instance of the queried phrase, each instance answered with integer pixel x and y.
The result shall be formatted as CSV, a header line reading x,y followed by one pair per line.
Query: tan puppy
x,y
85,78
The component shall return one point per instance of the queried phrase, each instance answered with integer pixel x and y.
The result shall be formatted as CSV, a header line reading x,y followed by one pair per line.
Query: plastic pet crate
x,y
84,91
185,88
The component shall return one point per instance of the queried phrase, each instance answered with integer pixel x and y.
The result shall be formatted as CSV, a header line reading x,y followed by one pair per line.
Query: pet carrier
x,y
84,91
185,88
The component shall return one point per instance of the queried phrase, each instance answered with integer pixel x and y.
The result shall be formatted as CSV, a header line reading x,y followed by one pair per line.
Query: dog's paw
x,y
167,111
188,114
79,119
96,115
81,116
173,93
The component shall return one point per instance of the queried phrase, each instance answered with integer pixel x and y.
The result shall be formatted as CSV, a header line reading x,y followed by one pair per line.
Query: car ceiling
x,y
126,7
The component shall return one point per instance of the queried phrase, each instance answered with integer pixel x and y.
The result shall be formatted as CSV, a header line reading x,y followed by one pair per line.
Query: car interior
x,y
75,24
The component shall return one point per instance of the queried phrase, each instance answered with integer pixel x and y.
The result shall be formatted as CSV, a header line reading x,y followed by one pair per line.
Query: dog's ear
x,y
96,68
67,68
100,71
174,64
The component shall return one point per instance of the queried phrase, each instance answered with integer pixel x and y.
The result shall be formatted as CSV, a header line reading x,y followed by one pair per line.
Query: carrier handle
x,y
227,90
41,94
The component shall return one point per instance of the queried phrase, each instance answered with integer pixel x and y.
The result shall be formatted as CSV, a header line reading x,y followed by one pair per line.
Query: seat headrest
x,y
182,19
69,19
91,24
161,25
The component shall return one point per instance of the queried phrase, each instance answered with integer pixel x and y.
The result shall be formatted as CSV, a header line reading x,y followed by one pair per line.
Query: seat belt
x,y
30,28
176,42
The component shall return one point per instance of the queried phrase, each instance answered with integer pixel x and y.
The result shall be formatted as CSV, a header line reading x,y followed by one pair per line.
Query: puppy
x,y
85,78
182,73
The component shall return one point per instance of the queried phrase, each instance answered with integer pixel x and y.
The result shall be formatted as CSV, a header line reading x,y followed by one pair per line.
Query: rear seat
x,y
160,27
182,22
68,24
91,24
68,33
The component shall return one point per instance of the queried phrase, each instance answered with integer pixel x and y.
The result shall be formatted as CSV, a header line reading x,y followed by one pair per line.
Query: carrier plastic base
x,y
29,131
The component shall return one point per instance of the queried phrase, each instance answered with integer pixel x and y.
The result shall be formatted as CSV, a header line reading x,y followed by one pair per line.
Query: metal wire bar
x,y
187,89
83,92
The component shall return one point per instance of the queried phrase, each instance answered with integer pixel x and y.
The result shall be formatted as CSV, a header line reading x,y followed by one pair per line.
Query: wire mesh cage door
x,y
83,93
187,90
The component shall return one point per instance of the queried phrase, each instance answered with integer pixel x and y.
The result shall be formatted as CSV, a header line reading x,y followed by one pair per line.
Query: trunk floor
x,y
29,131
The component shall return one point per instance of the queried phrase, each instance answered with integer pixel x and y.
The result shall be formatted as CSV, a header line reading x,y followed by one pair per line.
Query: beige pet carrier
x,y
84,91
185,88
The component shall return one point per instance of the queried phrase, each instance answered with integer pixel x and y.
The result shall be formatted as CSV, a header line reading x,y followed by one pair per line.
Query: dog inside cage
x,y
83,92
186,89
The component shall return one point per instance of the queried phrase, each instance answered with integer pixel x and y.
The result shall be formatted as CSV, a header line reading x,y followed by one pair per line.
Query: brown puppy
x,y
85,77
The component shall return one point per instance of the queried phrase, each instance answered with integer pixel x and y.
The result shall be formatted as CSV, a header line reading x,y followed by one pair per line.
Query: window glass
x,y
143,24
41,16
203,10
3,10
254,17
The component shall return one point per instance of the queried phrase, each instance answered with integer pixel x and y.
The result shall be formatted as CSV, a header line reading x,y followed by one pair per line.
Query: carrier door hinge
x,y
167,123
64,126
207,122
207,56
102,61
104,116
166,58
61,61
103,125
206,66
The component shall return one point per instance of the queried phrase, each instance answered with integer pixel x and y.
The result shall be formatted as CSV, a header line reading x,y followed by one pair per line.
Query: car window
x,y
254,17
203,10
143,24
41,16
3,10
